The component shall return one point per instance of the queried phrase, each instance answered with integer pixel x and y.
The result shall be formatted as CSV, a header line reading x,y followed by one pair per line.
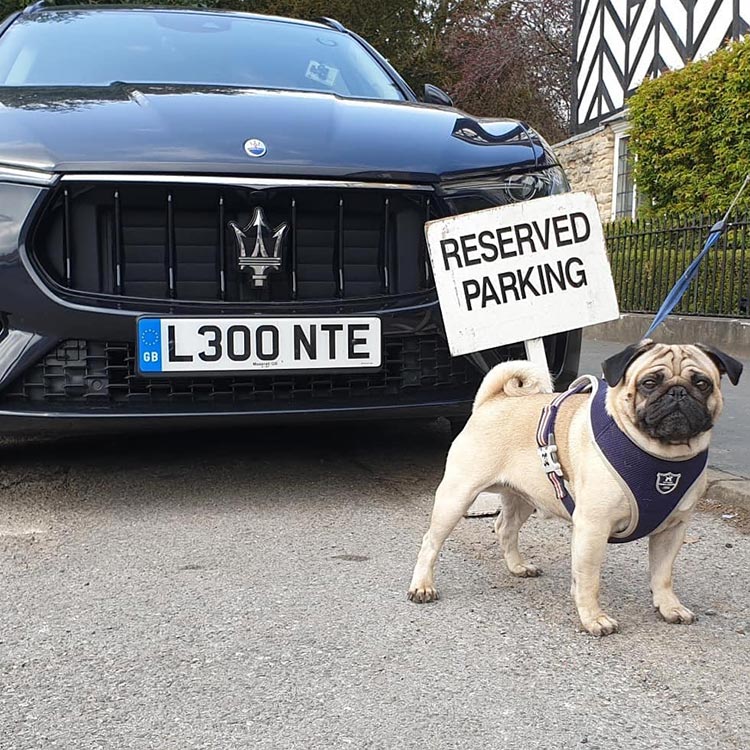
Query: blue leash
x,y
679,289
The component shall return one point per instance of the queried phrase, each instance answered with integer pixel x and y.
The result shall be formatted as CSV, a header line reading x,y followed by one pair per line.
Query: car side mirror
x,y
435,95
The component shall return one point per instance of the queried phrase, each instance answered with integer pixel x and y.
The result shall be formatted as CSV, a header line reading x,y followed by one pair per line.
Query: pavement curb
x,y
724,487
486,504
730,334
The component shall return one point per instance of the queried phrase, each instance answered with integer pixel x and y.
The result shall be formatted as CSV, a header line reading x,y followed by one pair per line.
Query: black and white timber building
x,y
618,44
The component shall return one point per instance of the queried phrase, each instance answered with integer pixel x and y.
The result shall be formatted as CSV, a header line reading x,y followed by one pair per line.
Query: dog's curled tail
x,y
516,378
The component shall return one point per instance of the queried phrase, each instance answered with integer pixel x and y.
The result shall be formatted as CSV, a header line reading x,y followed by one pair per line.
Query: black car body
x,y
123,198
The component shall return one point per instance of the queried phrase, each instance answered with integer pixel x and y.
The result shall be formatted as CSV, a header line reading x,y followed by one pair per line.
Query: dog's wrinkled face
x,y
676,393
669,393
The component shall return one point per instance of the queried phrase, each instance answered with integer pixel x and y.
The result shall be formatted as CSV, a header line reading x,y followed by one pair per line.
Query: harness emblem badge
x,y
667,482
259,246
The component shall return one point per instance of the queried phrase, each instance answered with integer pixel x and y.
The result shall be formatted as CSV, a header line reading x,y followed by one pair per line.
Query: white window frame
x,y
621,131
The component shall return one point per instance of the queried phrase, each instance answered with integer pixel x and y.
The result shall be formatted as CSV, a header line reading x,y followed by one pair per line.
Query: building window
x,y
625,197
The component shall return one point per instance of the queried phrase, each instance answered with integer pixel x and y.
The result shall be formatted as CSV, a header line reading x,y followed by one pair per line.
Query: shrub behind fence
x,y
649,255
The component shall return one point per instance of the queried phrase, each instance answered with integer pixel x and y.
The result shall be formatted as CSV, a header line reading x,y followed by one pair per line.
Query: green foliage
x,y
690,132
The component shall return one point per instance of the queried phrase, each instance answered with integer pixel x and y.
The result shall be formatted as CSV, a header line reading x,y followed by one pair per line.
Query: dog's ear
x,y
726,365
615,367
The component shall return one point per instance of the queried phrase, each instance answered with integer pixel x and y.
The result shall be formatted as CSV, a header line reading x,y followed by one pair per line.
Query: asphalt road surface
x,y
247,589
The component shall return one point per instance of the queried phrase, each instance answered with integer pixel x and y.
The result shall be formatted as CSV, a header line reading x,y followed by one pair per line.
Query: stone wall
x,y
588,160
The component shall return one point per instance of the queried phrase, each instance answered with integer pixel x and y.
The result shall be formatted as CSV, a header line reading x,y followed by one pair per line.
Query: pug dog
x,y
664,398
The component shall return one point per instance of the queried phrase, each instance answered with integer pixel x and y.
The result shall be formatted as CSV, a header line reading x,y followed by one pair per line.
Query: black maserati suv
x,y
211,216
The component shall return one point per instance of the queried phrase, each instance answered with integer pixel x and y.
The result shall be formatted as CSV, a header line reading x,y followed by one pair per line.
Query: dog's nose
x,y
677,393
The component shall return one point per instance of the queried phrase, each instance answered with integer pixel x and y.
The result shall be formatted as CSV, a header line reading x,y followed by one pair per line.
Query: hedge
x,y
690,133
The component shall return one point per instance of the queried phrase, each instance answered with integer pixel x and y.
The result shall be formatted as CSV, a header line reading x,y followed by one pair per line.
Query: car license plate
x,y
213,345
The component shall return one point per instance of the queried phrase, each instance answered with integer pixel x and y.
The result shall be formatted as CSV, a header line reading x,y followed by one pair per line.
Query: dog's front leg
x,y
662,552
589,542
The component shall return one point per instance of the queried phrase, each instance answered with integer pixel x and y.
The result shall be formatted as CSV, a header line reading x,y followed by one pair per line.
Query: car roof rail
x,y
331,22
38,5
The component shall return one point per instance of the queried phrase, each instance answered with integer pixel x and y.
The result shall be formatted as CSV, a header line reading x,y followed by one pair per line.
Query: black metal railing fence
x,y
647,257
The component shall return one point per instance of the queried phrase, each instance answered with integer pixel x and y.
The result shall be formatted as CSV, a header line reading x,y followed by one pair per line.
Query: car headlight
x,y
19,190
503,189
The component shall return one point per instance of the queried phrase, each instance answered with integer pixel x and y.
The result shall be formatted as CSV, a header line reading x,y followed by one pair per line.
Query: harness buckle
x,y
550,464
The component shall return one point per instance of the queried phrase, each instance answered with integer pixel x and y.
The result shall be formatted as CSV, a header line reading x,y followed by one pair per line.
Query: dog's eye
x,y
649,383
702,384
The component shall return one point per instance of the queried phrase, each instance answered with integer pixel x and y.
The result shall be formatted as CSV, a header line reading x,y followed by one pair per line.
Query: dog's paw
x,y
601,625
676,614
422,594
525,570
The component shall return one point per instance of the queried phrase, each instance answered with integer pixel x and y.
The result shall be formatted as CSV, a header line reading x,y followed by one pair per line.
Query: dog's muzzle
x,y
676,416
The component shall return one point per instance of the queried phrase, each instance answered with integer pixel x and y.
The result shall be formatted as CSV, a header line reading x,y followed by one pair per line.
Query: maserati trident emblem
x,y
259,246
667,482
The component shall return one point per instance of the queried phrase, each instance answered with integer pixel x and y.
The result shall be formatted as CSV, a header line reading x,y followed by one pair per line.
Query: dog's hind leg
x,y
515,513
452,500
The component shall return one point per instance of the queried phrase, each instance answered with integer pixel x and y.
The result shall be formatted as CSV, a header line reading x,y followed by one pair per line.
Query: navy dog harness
x,y
653,485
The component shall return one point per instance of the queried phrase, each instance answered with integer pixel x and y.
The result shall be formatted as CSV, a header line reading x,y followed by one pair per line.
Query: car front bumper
x,y
77,371
67,358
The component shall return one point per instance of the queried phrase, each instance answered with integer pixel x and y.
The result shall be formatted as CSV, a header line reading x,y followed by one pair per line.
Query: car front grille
x,y
418,368
185,241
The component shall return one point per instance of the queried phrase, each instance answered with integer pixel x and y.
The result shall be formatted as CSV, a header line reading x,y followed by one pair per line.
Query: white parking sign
x,y
522,271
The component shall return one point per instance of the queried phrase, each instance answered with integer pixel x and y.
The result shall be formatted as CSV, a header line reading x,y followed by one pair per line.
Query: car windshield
x,y
98,48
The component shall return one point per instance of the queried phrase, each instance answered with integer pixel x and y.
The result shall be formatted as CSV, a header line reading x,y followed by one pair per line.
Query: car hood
x,y
199,130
